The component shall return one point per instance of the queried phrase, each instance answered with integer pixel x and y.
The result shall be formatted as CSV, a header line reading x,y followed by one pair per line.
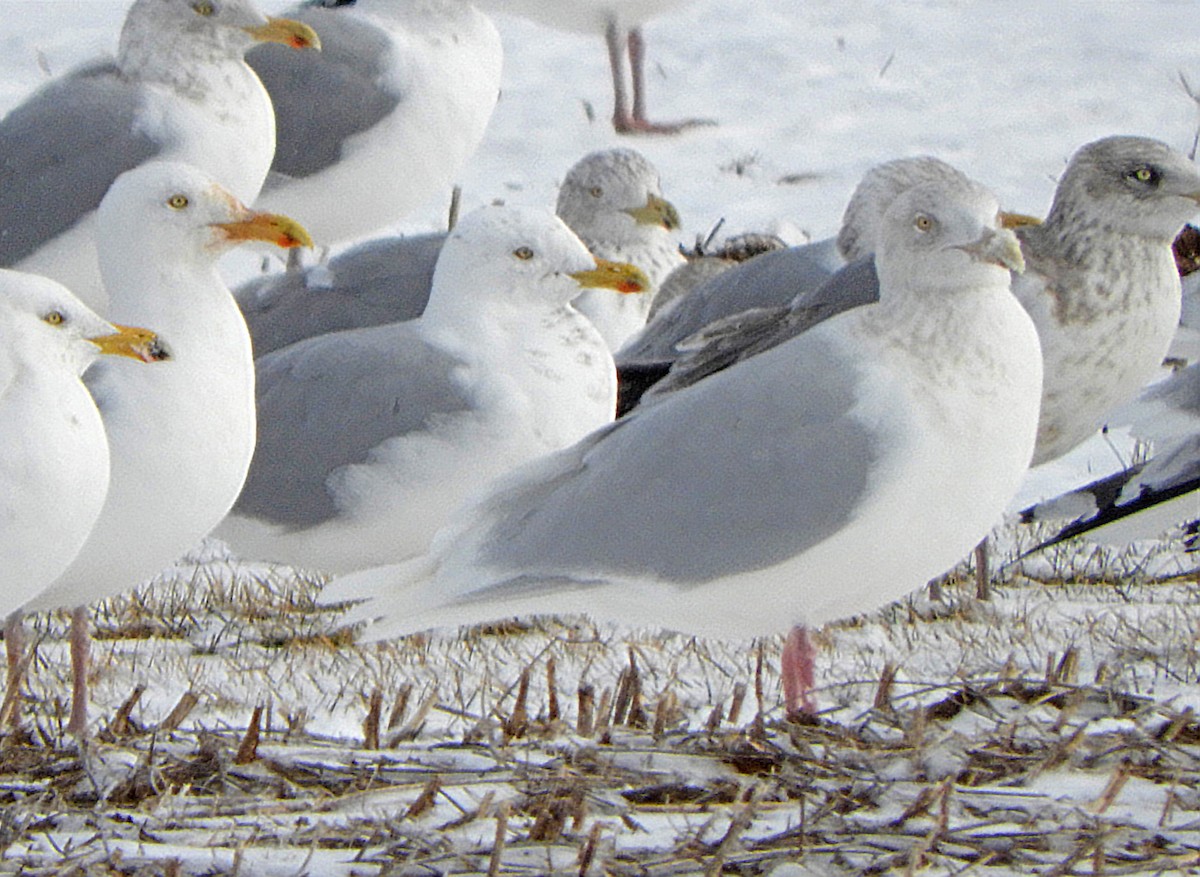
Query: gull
x,y
1101,286
181,433
741,504
620,21
177,90
773,280
53,451
612,199
368,438
385,117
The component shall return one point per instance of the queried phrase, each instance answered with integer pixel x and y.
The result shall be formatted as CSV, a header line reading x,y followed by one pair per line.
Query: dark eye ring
x,y
1145,174
595,191
523,253
55,318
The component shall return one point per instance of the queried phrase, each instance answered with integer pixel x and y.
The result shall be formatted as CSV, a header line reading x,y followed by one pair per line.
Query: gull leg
x,y
636,122
797,668
617,40
18,662
80,654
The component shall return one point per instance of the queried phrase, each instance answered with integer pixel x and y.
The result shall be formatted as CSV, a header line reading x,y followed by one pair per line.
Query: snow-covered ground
x,y
1048,731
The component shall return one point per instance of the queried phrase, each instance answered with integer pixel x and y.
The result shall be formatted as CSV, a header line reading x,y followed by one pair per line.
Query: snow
x,y
1007,723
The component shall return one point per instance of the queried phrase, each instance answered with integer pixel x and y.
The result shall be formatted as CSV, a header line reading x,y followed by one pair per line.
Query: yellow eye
x,y
55,318
523,253
1145,174
923,222
595,191
204,8
178,202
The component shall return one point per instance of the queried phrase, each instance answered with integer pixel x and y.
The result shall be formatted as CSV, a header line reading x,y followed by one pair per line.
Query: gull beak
x,y
620,276
997,246
656,211
282,231
135,343
296,34
1015,220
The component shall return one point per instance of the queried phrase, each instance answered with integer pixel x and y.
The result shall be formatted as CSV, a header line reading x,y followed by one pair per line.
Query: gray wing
x,y
741,472
60,151
770,280
741,336
378,282
321,99
326,402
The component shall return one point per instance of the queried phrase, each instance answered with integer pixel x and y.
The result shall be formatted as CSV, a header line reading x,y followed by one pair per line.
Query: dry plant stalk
x,y
498,845
120,726
248,749
181,710
371,722
587,701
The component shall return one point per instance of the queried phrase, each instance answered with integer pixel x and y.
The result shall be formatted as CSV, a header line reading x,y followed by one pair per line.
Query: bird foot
x,y
797,667
633,125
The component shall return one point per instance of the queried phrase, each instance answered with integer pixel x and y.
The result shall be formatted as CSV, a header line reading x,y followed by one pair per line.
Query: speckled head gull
x,y
178,90
369,438
742,505
1102,285
613,200
395,78
181,433
53,451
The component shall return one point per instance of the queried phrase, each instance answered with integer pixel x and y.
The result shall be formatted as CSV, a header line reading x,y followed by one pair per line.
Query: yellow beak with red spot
x,y
274,228
620,276
287,32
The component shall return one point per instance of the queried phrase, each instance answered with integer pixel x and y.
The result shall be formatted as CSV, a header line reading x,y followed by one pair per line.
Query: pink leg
x,y
14,647
636,122
797,667
80,649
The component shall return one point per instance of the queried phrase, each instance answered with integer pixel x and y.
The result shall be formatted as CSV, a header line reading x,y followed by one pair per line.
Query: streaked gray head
x,y
1127,185
944,235
859,235
614,196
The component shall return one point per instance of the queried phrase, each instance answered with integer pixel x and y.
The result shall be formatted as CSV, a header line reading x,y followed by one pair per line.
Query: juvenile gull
x,y
620,22
368,438
385,117
177,90
741,505
611,199
53,451
181,433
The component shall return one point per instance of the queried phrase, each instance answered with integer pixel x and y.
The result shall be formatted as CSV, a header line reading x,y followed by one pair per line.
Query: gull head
x,y
59,327
945,235
1127,185
613,196
173,208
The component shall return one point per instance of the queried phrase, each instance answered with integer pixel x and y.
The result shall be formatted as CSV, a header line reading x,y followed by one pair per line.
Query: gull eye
x,y
1145,174
178,202
523,253
204,8
595,191
55,318
923,222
